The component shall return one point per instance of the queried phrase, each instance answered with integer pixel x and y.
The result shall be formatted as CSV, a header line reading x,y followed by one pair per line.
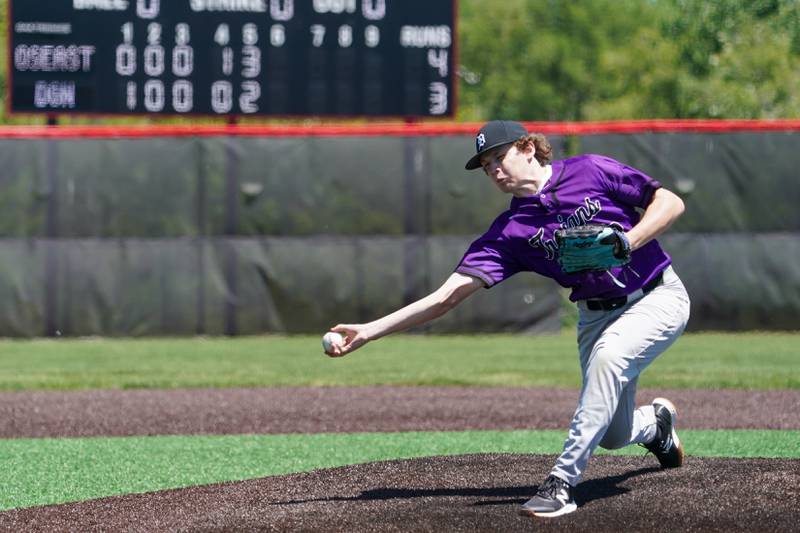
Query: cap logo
x,y
480,141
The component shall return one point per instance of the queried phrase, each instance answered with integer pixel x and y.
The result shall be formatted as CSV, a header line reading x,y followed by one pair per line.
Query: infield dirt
x,y
464,493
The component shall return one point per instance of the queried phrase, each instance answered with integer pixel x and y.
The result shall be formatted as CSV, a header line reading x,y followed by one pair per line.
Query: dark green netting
x,y
244,235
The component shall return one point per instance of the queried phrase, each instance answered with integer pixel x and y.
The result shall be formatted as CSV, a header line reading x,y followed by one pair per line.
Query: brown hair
x,y
544,152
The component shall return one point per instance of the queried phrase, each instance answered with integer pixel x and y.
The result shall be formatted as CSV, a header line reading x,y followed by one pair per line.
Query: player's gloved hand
x,y
618,239
592,247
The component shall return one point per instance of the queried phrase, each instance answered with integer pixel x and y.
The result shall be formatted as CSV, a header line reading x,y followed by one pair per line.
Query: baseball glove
x,y
593,247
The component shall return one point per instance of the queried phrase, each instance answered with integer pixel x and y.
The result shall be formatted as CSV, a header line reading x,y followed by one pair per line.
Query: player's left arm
x,y
663,210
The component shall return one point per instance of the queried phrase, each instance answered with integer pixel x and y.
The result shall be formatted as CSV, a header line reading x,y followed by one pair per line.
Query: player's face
x,y
506,166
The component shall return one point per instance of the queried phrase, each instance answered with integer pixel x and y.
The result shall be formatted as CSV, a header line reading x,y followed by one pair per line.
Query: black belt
x,y
609,304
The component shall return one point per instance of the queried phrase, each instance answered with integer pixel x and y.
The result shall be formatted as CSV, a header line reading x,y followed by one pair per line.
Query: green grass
x,y
710,360
46,471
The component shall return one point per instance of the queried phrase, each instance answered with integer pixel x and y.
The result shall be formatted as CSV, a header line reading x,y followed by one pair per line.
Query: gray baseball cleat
x,y
666,446
554,498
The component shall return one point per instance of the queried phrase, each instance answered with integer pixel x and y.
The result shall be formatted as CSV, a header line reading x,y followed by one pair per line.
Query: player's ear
x,y
529,150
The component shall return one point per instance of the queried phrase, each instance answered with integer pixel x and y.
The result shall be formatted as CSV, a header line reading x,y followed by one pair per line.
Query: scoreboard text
x,y
233,57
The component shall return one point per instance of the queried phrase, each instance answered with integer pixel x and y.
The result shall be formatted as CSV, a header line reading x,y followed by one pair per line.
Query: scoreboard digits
x,y
233,57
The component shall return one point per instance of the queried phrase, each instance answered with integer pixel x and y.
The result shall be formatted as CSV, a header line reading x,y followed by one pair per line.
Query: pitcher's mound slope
x,y
464,493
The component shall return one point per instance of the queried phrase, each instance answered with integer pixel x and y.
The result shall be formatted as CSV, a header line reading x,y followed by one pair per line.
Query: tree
x,y
627,59
742,57
550,60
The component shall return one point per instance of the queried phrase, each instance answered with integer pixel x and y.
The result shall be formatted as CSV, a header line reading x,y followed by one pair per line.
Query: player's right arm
x,y
452,292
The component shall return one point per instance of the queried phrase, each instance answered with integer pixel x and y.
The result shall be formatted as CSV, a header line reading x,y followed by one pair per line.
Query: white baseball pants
x,y
615,347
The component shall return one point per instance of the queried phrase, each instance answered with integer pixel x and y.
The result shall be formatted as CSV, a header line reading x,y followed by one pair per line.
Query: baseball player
x,y
632,305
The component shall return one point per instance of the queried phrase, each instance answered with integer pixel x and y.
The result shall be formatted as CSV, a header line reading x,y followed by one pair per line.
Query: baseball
x,y
331,339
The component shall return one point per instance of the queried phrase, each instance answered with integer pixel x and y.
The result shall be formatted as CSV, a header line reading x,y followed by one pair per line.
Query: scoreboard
x,y
354,58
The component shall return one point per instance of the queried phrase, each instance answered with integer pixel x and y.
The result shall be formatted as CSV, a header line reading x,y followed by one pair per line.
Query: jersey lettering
x,y
580,217
549,245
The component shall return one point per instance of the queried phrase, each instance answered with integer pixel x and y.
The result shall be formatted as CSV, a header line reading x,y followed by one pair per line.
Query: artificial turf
x,y
47,471
699,360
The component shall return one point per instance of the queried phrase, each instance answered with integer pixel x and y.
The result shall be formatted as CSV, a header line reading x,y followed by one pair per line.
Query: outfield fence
x,y
243,230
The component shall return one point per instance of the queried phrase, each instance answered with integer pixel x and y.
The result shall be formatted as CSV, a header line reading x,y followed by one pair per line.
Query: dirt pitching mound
x,y
463,493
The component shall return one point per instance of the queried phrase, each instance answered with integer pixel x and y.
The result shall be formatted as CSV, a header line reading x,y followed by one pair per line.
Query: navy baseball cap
x,y
493,134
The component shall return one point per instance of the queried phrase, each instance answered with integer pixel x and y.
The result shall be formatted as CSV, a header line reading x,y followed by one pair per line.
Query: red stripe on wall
x,y
394,129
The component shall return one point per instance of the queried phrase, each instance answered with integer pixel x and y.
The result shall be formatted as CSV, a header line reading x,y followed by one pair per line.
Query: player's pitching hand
x,y
354,338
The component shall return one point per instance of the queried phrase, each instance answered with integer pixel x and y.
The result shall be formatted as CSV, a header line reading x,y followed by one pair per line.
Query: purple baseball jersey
x,y
581,190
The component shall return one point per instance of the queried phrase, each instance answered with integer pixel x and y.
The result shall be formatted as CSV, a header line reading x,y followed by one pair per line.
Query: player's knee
x,y
606,358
